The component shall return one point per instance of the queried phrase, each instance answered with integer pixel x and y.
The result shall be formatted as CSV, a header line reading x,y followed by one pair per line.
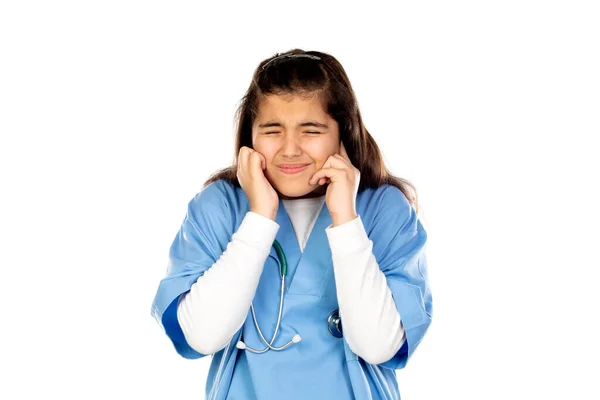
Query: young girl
x,y
302,267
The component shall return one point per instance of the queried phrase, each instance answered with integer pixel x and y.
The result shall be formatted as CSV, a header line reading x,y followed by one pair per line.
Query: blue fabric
x,y
320,366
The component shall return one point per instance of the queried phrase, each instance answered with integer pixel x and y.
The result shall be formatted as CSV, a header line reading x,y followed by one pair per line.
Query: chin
x,y
295,190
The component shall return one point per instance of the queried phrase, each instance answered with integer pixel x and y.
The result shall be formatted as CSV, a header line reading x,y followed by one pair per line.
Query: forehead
x,y
290,108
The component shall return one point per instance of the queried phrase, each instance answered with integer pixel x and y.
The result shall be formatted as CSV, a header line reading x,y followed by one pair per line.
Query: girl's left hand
x,y
344,180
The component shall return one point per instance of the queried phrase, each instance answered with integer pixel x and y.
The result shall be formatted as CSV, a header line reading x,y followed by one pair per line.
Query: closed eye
x,y
269,133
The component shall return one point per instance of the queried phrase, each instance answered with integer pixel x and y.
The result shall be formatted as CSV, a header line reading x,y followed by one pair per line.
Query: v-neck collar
x,y
302,264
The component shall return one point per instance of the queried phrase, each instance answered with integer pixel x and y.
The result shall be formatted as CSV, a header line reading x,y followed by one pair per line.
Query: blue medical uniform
x,y
321,366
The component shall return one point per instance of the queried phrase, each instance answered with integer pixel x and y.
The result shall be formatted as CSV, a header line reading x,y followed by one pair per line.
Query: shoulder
x,y
385,191
214,191
385,200
387,209
217,200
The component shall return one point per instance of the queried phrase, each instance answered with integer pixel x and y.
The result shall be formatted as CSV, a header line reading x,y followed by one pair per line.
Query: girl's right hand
x,y
261,195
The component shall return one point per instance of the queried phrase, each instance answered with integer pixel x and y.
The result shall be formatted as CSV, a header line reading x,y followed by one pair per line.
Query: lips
x,y
292,168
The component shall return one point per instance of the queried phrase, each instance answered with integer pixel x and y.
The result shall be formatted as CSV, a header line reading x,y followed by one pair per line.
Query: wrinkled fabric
x,y
321,365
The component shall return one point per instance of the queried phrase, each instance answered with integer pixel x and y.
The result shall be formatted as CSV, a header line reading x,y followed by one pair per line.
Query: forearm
x,y
371,323
217,304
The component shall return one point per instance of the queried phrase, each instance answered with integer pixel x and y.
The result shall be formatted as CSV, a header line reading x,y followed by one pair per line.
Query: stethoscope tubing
x,y
269,344
333,322
296,338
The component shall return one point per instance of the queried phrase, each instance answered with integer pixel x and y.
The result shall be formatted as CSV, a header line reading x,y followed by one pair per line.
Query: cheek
x,y
264,149
320,152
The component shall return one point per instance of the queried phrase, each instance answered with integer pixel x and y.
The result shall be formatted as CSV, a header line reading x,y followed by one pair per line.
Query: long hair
x,y
306,75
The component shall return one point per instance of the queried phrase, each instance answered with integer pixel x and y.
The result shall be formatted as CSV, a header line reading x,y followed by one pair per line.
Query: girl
x,y
301,269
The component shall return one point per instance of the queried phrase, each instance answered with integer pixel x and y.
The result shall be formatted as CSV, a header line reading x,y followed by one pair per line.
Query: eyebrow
x,y
307,123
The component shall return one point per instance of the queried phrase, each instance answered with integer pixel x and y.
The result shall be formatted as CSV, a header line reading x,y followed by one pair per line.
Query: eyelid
x,y
271,132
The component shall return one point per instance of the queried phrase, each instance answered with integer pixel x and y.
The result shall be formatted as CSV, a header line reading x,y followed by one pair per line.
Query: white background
x,y
113,114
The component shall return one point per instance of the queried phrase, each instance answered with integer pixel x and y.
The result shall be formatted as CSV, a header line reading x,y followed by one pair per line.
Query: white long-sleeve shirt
x,y
217,304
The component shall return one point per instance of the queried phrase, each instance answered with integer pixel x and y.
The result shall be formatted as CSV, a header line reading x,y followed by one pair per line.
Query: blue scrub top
x,y
320,366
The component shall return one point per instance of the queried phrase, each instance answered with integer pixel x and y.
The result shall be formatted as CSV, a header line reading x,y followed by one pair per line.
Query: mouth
x,y
292,169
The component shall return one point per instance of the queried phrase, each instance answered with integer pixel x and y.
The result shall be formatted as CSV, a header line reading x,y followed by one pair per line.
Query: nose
x,y
291,148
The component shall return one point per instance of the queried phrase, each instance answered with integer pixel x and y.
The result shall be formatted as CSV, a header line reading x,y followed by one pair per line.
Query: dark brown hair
x,y
326,78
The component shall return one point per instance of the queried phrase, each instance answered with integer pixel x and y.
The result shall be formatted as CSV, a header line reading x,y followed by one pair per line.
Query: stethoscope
x,y
333,322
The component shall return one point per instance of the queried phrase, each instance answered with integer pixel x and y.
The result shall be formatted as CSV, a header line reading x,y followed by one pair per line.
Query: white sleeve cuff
x,y
347,238
257,230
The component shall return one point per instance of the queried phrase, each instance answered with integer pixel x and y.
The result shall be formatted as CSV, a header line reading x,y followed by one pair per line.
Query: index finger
x,y
343,152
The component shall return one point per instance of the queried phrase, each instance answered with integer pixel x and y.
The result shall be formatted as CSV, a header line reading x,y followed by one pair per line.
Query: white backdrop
x,y
113,114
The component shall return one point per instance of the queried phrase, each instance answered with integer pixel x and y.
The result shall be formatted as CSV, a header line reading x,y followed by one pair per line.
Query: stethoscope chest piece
x,y
334,324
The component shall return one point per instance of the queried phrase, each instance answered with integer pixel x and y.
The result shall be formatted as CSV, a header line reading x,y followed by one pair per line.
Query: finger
x,y
343,152
243,158
332,162
256,161
337,161
263,160
242,164
331,173
345,161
